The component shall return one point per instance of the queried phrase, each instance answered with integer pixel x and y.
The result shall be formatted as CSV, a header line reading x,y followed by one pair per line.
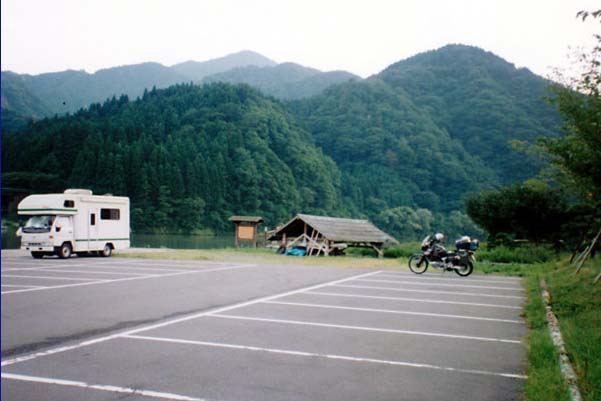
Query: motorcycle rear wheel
x,y
465,270
418,263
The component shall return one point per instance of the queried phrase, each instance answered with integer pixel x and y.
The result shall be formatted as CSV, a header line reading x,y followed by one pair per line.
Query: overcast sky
x,y
362,37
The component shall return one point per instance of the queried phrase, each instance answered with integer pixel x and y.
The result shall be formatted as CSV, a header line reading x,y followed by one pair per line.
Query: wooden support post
x,y
378,250
587,253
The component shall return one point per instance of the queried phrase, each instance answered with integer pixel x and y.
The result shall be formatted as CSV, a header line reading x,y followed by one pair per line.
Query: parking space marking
x,y
57,350
51,277
365,328
433,301
129,267
113,265
22,286
327,356
40,267
428,279
91,272
104,281
439,276
414,282
101,387
398,312
469,294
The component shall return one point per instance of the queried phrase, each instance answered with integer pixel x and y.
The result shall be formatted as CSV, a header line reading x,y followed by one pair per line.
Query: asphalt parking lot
x,y
140,329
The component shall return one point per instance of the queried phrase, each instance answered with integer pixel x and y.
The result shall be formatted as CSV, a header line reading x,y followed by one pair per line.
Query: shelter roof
x,y
246,219
337,229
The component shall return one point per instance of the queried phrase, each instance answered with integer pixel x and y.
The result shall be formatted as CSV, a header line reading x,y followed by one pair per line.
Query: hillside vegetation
x,y
402,148
188,156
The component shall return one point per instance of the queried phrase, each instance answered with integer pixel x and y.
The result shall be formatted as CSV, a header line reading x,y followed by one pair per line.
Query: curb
x,y
567,370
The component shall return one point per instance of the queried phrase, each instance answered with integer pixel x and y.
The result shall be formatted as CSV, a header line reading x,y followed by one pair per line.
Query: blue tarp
x,y
296,252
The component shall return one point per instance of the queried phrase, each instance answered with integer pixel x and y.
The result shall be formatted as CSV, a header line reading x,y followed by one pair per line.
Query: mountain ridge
x,y
67,91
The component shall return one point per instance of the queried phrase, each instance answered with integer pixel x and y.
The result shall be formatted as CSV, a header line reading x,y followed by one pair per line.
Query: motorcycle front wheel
x,y
418,263
466,269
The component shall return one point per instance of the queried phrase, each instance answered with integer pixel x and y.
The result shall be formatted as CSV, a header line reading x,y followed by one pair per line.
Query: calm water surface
x,y
11,241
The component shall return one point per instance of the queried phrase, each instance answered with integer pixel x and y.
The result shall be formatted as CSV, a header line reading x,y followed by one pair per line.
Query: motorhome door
x,y
92,228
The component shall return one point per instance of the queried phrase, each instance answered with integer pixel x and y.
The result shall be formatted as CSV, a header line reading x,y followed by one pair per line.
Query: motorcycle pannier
x,y
463,243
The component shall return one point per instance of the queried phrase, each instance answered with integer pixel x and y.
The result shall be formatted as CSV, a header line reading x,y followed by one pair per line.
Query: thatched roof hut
x,y
325,234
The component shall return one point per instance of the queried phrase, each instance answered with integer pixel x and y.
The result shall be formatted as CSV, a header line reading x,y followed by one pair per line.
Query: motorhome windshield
x,y
39,224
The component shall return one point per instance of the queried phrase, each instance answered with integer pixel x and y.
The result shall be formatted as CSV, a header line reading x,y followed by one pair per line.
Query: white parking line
x,y
469,294
364,328
123,279
398,312
427,279
91,272
129,267
43,267
433,301
470,278
326,356
51,277
22,286
57,350
101,387
414,282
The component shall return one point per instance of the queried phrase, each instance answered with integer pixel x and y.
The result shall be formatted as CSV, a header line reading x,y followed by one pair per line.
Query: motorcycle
x,y
461,261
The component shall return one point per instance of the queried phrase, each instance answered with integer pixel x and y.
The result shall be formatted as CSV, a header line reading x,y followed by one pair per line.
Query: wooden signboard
x,y
246,232
246,228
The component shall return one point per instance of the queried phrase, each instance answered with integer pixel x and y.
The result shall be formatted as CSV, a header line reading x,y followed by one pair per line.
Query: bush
x,y
403,250
519,254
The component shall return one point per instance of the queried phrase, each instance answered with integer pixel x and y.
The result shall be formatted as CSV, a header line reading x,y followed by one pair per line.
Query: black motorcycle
x,y
461,261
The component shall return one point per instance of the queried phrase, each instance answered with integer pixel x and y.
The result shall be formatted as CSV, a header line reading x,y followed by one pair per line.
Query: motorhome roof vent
x,y
78,191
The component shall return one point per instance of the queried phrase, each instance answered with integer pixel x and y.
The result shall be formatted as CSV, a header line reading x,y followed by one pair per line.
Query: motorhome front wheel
x,y
65,251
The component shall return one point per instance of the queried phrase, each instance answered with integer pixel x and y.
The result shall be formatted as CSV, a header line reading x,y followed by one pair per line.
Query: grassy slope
x,y
577,303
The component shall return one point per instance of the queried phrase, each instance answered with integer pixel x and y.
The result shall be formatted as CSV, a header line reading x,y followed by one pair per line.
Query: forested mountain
x,y
394,159
16,96
33,96
196,71
188,157
402,148
284,81
428,130
482,101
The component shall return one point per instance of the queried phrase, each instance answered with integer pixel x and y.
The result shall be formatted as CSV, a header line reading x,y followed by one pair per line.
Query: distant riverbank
x,y
172,241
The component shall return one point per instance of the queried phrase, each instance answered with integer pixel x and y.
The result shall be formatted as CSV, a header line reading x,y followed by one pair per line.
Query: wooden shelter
x,y
321,234
246,228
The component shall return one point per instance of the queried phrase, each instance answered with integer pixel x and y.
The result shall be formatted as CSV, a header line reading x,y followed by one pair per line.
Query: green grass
x,y
545,382
262,255
577,303
520,254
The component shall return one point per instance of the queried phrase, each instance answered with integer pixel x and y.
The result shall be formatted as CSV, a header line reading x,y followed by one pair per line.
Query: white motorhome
x,y
75,221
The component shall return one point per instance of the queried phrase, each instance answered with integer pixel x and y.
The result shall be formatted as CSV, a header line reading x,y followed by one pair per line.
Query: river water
x,y
174,241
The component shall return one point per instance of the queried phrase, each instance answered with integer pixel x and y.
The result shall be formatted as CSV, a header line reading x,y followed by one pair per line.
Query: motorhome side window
x,y
93,219
109,214
69,203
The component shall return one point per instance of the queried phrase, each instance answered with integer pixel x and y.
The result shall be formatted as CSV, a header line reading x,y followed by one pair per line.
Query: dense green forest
x,y
482,101
188,156
401,151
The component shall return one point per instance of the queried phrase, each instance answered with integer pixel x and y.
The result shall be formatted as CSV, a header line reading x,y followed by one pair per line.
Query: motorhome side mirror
x,y
57,229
